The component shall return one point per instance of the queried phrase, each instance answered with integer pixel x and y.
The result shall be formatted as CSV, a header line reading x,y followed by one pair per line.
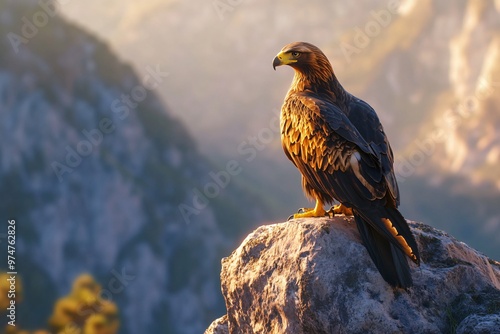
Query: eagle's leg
x,y
318,211
339,209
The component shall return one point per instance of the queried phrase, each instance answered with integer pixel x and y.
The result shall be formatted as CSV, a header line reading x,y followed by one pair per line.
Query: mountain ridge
x,y
93,168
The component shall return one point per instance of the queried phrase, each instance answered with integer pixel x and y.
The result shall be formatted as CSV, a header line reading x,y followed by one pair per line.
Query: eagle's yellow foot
x,y
317,211
339,209
301,210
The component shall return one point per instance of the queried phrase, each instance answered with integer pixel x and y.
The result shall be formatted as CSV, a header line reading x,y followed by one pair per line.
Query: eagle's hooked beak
x,y
276,62
283,58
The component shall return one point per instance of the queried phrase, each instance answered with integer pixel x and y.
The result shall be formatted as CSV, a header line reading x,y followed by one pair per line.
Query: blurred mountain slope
x,y
93,168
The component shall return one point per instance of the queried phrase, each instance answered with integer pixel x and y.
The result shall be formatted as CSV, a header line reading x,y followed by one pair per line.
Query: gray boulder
x,y
218,326
315,276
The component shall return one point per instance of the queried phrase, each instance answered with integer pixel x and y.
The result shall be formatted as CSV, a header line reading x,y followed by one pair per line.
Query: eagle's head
x,y
302,56
312,68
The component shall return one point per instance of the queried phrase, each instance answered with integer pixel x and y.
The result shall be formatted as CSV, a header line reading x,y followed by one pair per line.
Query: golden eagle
x,y
338,144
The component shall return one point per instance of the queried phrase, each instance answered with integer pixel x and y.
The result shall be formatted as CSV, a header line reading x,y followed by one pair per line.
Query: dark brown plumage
x,y
339,146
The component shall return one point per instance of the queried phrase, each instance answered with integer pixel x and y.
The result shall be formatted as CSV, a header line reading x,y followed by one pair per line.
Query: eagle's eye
x,y
296,54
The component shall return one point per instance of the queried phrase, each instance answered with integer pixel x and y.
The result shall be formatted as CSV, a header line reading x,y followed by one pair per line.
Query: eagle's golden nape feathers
x,y
340,148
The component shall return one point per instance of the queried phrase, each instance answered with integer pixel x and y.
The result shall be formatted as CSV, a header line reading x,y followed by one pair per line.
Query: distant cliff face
x,y
439,66
315,276
95,171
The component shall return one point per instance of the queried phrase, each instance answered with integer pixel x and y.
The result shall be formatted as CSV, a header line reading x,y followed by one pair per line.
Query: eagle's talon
x,y
317,211
290,217
338,210
303,210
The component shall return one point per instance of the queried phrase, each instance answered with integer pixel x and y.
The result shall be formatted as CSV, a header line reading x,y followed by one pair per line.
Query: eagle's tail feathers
x,y
387,256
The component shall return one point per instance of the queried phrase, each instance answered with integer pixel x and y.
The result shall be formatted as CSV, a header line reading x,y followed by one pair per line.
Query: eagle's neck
x,y
321,81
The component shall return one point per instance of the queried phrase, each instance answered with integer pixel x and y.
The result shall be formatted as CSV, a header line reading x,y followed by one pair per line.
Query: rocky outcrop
x,y
315,276
219,326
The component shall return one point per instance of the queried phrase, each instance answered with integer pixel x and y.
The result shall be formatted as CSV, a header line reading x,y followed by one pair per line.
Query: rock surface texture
x,y
315,276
